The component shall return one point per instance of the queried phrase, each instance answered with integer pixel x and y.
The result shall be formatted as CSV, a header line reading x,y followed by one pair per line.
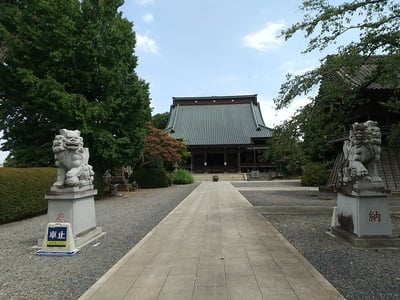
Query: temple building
x,y
223,133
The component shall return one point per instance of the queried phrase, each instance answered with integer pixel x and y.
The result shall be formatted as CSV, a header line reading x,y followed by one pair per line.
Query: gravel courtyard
x,y
126,220
356,273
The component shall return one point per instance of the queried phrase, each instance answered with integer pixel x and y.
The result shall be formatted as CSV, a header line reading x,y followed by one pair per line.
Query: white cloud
x,y
148,18
266,38
274,117
146,44
144,2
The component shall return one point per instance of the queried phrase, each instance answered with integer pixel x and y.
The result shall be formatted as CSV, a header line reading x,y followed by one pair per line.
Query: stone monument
x,y
362,213
71,198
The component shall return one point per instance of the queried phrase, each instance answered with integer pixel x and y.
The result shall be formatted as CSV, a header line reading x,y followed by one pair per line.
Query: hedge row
x,y
151,178
158,177
22,192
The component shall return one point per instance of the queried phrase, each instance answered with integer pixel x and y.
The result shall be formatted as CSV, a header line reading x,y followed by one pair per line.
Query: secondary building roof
x,y
367,72
217,120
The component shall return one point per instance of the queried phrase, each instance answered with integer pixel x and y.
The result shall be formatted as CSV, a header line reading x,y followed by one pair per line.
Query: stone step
x,y
221,177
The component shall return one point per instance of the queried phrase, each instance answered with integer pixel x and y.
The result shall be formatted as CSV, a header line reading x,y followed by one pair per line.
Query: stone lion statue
x,y
71,159
362,152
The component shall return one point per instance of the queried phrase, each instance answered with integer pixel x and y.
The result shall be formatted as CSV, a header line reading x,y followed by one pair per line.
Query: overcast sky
x,y
218,48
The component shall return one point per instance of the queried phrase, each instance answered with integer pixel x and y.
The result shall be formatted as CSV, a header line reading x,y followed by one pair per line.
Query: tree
x,y
161,150
375,22
285,149
160,120
70,64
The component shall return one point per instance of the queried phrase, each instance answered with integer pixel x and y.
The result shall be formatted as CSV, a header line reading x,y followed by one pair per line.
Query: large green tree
x,y
160,121
285,149
70,64
373,28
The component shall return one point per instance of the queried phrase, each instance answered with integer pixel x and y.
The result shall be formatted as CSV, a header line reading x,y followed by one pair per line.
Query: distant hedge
x,y
22,192
151,178
182,176
314,174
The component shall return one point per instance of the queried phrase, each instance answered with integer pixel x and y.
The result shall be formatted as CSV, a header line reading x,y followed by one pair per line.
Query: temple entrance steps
x,y
221,177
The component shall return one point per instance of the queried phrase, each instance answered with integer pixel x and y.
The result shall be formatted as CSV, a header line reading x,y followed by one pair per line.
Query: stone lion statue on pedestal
x,y
71,159
362,152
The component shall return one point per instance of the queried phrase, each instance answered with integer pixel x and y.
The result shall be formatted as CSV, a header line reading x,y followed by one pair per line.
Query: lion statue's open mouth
x,y
72,145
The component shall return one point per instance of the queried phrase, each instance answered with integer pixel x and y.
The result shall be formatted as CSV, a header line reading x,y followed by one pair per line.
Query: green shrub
x,y
22,192
182,176
151,178
314,174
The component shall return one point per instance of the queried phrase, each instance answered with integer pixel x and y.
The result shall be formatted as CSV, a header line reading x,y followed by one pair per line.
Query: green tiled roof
x,y
217,123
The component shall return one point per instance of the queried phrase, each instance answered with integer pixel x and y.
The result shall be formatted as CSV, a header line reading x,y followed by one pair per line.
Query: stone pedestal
x,y
365,216
362,213
74,205
364,220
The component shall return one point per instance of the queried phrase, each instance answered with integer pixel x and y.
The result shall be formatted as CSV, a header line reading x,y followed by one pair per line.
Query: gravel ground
x,y
356,273
126,220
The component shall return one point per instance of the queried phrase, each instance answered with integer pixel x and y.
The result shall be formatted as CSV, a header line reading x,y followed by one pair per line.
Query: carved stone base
x,y
363,188
74,207
364,216
87,237
366,242
68,189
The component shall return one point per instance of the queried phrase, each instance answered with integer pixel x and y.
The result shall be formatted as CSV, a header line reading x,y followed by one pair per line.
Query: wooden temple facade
x,y
223,133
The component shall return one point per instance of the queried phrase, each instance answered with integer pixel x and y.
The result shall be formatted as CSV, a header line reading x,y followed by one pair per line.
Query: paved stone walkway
x,y
214,245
